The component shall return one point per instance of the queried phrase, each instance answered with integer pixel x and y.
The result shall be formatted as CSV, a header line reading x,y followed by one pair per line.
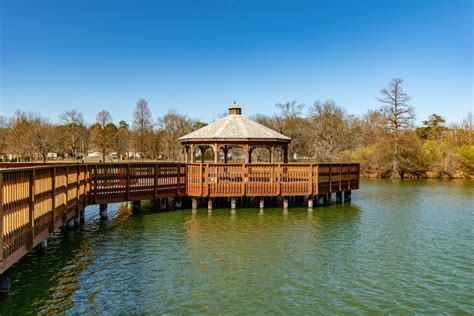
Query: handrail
x,y
36,200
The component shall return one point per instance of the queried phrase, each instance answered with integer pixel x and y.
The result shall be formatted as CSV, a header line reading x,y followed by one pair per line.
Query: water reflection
x,y
399,246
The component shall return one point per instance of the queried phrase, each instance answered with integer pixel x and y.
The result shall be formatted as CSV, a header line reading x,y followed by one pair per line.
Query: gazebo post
x,y
272,154
285,154
184,154
192,153
246,154
226,151
203,151
216,152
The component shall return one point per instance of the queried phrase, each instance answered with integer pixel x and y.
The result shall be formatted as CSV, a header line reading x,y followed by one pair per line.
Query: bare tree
x,y
142,128
4,128
18,136
399,116
72,131
104,134
331,129
290,122
172,126
42,137
123,140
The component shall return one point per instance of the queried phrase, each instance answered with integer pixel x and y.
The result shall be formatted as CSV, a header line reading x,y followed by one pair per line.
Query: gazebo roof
x,y
235,127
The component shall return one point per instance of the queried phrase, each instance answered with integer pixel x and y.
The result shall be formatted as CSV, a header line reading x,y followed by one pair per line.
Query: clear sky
x,y
199,56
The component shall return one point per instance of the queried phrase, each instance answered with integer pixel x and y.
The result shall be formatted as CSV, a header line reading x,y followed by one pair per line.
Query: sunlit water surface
x,y
398,247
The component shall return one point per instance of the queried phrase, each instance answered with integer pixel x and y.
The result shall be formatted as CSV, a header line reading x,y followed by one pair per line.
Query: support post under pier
x,y
42,246
82,216
347,196
338,197
233,203
103,211
5,282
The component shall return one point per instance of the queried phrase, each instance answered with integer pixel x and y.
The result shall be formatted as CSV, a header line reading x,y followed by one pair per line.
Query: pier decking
x,y
36,200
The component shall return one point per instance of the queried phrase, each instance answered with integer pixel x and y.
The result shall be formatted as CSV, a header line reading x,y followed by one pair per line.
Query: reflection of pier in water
x,y
226,246
241,231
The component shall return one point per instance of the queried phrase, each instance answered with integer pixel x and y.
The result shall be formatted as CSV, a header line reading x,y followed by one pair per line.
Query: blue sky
x,y
199,56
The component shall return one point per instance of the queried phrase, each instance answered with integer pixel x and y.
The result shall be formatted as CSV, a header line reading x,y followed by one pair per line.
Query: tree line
x,y
385,140
29,136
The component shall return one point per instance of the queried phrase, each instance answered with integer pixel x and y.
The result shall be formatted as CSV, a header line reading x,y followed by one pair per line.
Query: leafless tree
x,y
123,140
42,137
72,131
331,129
104,134
399,116
18,136
4,128
172,126
142,128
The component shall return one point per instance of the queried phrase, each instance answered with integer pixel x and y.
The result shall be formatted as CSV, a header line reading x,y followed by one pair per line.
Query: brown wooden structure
x,y
231,132
35,201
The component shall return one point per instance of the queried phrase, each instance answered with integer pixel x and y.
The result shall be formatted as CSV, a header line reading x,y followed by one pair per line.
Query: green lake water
x,y
399,247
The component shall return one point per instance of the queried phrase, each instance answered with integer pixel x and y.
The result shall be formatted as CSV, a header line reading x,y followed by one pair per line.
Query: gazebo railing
x,y
268,179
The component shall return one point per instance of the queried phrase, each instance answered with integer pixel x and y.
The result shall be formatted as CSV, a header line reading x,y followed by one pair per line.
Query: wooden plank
x,y
127,188
31,215
53,199
77,190
178,178
65,210
1,219
155,179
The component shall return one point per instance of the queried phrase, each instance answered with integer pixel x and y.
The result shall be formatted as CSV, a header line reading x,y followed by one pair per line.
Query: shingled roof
x,y
235,127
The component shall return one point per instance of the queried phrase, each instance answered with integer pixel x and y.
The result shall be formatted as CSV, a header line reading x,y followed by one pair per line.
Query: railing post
x,y
310,189
207,184
156,179
330,178
316,172
278,179
201,184
348,177
244,177
94,183
67,195
340,177
31,228
53,199
178,180
77,191
127,182
1,218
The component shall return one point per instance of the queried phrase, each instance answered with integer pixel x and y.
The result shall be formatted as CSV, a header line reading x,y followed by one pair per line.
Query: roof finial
x,y
235,109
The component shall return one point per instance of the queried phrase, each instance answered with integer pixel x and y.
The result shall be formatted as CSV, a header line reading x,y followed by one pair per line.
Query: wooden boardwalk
x,y
36,200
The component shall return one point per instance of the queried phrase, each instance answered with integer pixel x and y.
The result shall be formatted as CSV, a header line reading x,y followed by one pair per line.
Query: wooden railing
x,y
291,179
35,201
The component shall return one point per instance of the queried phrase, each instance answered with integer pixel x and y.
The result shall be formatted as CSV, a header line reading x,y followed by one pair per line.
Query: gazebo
x,y
231,132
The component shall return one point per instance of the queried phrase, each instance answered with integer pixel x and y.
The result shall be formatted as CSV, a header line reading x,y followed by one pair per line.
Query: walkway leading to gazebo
x,y
36,200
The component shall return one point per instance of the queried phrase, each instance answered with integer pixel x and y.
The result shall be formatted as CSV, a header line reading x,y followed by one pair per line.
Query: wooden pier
x,y
35,200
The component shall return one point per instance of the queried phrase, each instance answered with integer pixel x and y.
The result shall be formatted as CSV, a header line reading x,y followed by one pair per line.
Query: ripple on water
x,y
399,247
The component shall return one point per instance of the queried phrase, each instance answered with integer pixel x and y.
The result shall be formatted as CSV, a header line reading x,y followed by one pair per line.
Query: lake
x,y
399,247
